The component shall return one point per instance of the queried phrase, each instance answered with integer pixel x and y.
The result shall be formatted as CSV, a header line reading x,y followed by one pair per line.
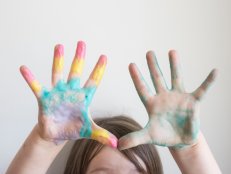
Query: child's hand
x,y
173,114
64,110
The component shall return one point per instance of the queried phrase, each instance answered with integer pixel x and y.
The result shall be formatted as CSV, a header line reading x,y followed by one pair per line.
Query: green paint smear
x,y
181,121
142,97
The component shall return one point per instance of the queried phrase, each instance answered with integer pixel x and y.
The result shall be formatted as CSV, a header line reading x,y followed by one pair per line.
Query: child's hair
x,y
84,150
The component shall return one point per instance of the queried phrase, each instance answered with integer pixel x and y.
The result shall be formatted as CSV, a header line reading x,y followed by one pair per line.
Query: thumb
x,y
103,136
134,139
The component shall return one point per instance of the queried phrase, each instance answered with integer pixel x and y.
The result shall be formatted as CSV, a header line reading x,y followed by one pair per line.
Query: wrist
x,y
36,139
189,149
196,158
35,150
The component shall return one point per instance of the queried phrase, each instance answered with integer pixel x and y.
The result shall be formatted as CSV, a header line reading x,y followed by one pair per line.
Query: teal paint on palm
x,y
67,94
86,129
181,119
74,83
60,94
90,91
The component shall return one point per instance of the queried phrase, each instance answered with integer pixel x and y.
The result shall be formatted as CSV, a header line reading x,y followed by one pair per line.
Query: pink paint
x,y
80,50
27,74
102,60
59,51
113,141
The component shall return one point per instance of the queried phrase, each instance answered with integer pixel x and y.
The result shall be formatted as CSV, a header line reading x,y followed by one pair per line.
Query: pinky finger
x,y
200,92
31,81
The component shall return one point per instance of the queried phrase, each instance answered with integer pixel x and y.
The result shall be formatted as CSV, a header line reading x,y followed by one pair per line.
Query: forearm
x,y
196,159
35,155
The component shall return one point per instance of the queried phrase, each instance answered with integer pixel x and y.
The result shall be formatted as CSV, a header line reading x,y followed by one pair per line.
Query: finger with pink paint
x,y
173,113
31,81
96,132
96,76
77,65
58,61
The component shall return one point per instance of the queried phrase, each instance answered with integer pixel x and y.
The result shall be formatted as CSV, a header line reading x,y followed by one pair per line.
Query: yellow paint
x,y
35,86
100,133
77,66
58,64
98,74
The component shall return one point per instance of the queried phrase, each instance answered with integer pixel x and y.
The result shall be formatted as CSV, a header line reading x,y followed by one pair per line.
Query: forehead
x,y
112,161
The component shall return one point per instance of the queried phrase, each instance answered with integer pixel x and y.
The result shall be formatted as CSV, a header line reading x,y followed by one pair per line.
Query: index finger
x,y
96,75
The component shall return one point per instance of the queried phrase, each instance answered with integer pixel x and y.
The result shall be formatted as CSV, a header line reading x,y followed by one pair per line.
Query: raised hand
x,y
173,114
64,110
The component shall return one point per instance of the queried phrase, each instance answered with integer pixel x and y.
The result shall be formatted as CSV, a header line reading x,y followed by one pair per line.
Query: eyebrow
x,y
106,169
100,169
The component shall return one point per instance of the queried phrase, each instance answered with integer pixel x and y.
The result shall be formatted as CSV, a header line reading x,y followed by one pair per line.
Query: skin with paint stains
x,y
64,110
173,113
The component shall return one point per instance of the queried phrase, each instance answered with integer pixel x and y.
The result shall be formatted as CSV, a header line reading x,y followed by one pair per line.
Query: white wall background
x,y
124,31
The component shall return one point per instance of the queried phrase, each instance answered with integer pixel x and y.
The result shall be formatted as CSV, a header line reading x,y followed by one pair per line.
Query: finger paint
x,y
86,129
144,97
60,94
89,91
98,72
74,83
104,137
34,84
78,62
77,66
156,74
65,104
64,110
58,58
81,50
100,133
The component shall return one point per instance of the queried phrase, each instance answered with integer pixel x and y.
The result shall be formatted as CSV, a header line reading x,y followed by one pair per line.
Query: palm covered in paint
x,y
173,114
64,110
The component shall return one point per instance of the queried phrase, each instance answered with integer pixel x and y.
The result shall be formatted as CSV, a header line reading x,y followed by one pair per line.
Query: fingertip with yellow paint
x,y
99,69
104,137
58,58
